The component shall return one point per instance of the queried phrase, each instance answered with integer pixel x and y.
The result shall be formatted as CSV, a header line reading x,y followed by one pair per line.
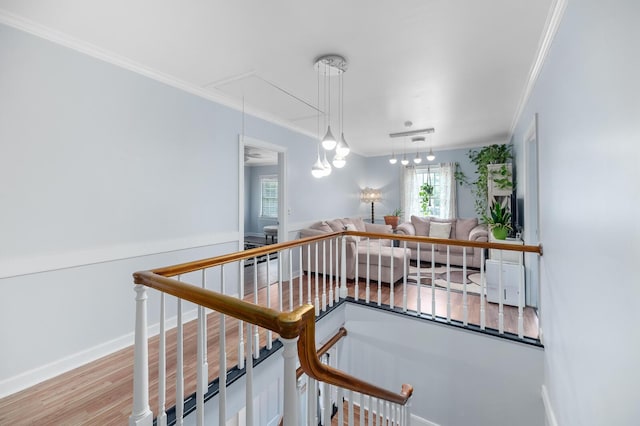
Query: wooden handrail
x,y
312,367
325,348
297,323
286,324
446,241
183,268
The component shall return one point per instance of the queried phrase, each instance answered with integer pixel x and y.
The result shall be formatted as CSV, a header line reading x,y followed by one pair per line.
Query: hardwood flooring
x,y
100,393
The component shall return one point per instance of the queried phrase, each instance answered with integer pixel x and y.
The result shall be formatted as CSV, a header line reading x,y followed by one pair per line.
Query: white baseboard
x,y
40,374
548,408
419,421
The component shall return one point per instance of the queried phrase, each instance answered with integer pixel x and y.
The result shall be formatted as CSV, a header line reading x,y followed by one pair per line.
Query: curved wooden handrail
x,y
312,367
286,324
297,323
183,268
342,332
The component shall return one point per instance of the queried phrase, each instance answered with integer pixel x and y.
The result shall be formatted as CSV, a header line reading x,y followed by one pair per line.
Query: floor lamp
x,y
369,195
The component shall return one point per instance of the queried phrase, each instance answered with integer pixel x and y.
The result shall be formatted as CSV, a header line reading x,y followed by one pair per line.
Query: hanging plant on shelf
x,y
425,194
499,221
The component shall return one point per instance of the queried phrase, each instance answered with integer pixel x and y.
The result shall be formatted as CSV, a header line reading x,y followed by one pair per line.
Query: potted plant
x,y
499,221
393,218
425,193
500,175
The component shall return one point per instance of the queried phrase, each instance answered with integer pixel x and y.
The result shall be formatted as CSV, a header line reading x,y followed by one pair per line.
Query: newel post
x,y
141,414
290,353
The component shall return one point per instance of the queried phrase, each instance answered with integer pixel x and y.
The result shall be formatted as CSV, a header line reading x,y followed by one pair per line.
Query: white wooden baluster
x,y
316,300
392,302
312,401
241,323
331,273
500,295
343,272
205,360
269,332
222,361
249,378
379,274
162,367
356,295
407,412
340,405
367,293
350,414
324,275
291,279
141,414
338,263
179,366
418,284
309,273
404,278
433,281
371,402
280,295
256,331
362,409
482,291
448,284
326,397
300,280
520,296
465,305
289,353
380,411
201,387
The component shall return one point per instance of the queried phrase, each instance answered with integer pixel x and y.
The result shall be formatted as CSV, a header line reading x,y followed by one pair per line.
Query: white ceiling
x,y
459,66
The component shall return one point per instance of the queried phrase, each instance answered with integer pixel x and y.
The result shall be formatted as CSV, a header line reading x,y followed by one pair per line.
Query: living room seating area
x,y
455,229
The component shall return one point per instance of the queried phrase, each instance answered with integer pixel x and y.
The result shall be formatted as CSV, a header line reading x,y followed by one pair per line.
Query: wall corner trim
x,y
66,40
551,28
548,408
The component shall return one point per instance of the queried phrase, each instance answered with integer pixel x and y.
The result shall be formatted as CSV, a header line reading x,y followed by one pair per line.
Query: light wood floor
x,y
100,393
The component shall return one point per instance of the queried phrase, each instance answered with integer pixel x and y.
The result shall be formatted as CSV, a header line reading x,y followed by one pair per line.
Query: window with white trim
x,y
440,178
269,196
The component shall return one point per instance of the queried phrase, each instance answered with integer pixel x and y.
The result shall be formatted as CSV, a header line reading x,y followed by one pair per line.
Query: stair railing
x,y
296,330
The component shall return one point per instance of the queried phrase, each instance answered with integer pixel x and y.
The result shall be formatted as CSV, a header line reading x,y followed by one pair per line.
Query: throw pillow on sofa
x,y
421,225
439,230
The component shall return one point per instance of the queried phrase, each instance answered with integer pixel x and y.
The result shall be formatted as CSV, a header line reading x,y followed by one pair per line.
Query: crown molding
x,y
551,28
57,37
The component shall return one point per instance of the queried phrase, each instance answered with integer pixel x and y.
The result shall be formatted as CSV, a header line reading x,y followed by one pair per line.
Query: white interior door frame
x,y
283,225
531,231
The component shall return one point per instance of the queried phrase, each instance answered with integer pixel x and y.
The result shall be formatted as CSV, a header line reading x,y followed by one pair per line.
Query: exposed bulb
x,y
318,169
404,160
329,142
417,159
339,161
393,160
430,156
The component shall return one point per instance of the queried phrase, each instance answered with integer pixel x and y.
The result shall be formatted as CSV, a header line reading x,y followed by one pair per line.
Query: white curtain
x,y
409,194
449,204
443,176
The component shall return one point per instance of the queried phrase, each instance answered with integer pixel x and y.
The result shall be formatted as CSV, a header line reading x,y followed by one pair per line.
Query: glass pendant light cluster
x,y
330,65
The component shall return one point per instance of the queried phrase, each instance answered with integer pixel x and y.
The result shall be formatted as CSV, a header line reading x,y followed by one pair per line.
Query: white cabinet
x,y
512,274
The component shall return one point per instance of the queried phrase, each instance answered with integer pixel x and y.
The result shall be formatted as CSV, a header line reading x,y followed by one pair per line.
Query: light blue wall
x,y
99,162
387,177
587,98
